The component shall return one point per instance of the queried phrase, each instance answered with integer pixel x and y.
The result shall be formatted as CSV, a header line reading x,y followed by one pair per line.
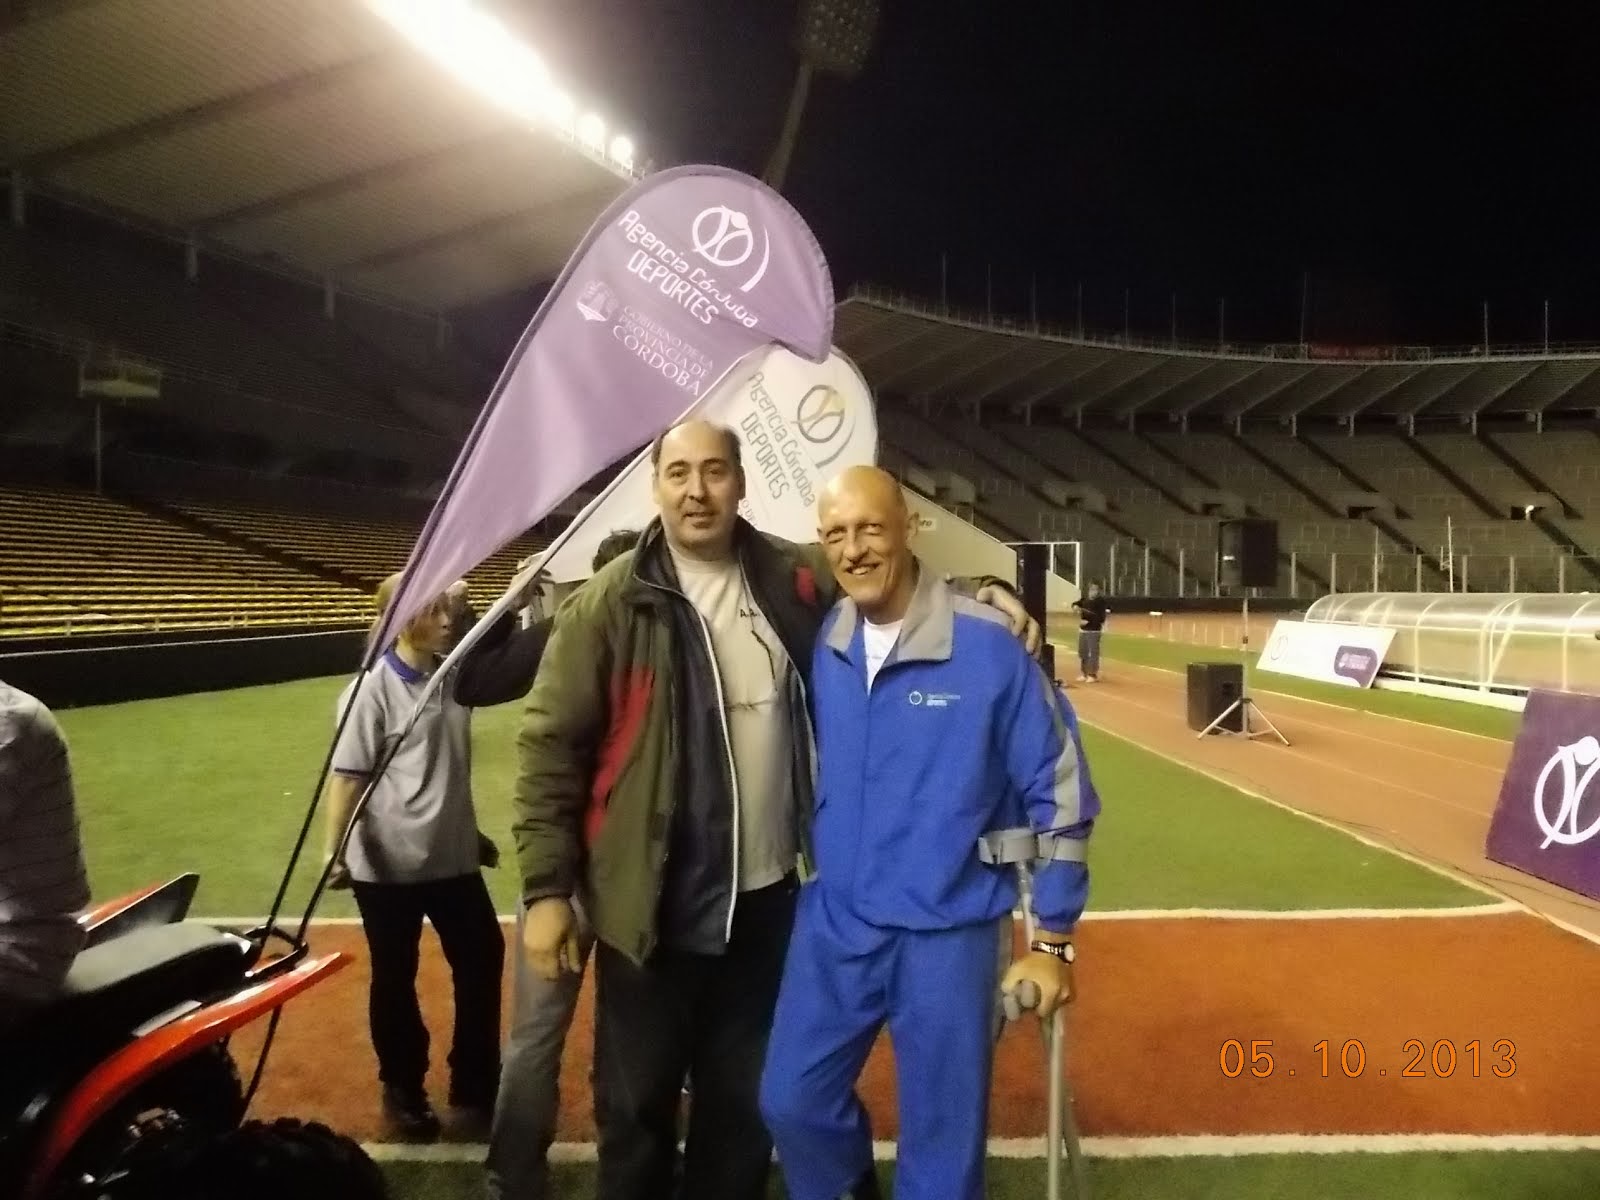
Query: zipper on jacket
x,y
727,746
807,853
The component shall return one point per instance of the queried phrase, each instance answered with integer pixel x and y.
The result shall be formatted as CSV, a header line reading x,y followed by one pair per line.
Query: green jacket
x,y
623,756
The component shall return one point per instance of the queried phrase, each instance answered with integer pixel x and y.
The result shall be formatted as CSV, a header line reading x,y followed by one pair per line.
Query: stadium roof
x,y
905,348
311,136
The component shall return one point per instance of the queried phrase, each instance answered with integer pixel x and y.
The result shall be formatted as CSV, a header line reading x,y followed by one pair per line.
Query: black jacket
x,y
500,665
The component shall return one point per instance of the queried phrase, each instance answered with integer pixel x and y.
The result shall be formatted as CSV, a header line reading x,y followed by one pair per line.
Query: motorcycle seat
x,y
116,986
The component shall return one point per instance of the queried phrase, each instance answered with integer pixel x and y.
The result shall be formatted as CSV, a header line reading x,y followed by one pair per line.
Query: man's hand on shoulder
x,y
1008,602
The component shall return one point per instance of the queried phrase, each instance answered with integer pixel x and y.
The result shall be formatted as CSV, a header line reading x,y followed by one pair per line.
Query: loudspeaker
x,y
1249,549
1212,687
1033,568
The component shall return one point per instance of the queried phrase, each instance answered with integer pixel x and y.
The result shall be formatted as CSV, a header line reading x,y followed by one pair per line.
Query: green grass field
x,y
1448,714
1445,1176
218,783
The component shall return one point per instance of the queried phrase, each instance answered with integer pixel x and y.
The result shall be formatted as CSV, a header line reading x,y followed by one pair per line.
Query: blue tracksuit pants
x,y
843,981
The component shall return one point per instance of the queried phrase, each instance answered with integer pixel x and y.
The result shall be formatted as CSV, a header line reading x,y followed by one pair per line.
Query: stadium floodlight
x,y
622,152
835,37
479,50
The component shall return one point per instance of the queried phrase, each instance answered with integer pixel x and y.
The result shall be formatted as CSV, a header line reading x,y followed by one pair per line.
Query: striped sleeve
x,y
1046,766
44,883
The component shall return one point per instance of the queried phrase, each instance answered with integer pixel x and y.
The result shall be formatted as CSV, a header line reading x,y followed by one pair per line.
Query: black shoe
x,y
471,1114
865,1188
410,1113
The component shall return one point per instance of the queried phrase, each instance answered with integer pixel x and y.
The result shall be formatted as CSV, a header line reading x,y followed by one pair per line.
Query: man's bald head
x,y
866,528
863,484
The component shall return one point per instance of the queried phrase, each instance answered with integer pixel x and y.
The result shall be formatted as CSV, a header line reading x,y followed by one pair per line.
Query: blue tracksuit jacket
x,y
961,734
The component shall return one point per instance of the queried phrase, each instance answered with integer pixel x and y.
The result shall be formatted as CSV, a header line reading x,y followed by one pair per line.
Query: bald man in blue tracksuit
x,y
934,727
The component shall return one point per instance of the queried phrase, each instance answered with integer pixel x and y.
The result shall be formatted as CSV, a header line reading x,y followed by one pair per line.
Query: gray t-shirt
x,y
43,880
753,668
420,824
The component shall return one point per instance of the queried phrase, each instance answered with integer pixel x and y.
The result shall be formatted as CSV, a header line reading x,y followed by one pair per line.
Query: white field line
x,y
1189,1146
1437,868
1482,737
1111,914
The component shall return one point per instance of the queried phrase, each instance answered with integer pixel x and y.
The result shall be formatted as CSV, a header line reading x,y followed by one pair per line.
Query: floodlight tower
x,y
834,36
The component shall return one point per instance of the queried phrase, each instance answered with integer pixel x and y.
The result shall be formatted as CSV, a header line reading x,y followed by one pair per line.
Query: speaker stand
x,y
1244,705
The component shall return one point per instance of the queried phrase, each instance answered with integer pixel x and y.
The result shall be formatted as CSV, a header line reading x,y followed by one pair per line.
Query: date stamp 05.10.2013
x,y
1415,1058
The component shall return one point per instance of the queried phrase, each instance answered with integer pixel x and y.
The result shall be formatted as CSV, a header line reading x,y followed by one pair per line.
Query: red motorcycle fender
x,y
111,908
108,1083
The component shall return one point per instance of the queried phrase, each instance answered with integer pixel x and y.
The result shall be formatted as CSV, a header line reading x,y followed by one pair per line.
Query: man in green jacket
x,y
666,779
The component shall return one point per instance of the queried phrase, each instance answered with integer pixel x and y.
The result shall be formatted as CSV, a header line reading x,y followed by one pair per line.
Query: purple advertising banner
x,y
1547,822
685,274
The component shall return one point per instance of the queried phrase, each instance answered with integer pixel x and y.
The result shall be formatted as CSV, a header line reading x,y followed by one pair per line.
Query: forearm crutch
x,y
1020,849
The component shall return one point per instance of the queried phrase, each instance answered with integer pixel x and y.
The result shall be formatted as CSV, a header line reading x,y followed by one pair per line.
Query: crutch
x,y
1020,848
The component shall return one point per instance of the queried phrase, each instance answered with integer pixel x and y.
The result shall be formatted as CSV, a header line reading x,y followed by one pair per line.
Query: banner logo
x,y
1348,655
596,301
1546,821
1359,664
1562,827
821,417
723,237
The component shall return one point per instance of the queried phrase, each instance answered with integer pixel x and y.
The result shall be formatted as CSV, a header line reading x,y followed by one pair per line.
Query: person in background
x,y
935,728
414,853
666,773
501,667
1092,611
44,883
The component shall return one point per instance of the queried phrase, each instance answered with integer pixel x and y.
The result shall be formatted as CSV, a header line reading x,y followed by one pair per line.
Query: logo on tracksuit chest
x,y
920,699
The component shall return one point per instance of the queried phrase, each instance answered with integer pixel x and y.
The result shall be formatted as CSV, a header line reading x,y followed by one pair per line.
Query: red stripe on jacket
x,y
630,700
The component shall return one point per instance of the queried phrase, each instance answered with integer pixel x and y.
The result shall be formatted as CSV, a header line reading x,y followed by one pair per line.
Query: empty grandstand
x,y
1386,468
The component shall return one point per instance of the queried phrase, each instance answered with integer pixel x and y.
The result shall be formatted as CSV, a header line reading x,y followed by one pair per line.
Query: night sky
x,y
1414,159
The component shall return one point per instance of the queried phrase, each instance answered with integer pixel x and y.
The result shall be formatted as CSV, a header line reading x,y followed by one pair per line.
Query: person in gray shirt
x,y
44,883
416,852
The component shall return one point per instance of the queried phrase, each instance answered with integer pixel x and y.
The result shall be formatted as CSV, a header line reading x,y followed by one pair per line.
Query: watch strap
x,y
1061,950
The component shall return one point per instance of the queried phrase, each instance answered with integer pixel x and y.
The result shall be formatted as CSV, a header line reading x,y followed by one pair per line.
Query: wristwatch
x,y
1065,951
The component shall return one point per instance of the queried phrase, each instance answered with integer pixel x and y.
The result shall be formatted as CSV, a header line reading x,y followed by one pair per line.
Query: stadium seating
x,y
76,563
365,551
1440,493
